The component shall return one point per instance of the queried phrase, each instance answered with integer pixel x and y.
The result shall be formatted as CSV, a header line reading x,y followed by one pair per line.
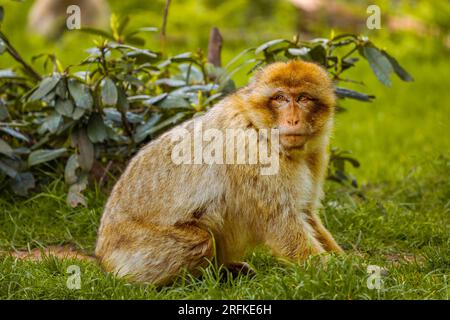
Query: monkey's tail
x,y
61,252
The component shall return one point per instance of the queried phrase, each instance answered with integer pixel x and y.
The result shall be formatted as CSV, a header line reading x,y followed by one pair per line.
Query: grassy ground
x,y
400,221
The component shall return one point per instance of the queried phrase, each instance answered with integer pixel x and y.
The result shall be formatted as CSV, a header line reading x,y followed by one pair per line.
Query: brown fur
x,y
162,217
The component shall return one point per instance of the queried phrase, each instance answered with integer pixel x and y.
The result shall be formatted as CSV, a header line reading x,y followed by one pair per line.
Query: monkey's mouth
x,y
292,141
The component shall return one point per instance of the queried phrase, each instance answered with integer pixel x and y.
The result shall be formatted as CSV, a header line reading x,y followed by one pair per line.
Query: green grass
x,y
402,229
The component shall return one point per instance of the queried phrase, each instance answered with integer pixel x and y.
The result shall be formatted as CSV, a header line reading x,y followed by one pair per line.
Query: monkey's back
x,y
154,189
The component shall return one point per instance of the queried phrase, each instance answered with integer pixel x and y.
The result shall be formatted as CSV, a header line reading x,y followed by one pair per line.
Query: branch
x,y
16,56
164,24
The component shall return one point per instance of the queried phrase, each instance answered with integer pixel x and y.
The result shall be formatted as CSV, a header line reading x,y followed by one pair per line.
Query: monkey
x,y
164,217
48,17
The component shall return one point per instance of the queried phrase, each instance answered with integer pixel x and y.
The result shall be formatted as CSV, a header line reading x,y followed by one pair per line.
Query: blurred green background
x,y
419,27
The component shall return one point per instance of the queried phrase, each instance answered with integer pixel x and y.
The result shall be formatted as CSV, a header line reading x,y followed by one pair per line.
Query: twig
x,y
164,24
105,172
16,56
350,52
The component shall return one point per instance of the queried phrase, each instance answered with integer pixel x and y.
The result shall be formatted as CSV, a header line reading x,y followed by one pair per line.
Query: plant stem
x,y
164,24
16,56
166,13
349,53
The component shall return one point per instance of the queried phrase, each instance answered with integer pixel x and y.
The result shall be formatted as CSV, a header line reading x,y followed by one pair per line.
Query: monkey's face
x,y
295,97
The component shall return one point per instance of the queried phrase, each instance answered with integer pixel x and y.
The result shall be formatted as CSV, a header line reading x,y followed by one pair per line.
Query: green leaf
x,y
398,69
379,64
154,100
51,123
5,148
347,93
137,41
8,170
269,44
133,81
148,29
80,94
22,151
177,118
122,102
195,88
78,113
146,129
75,196
142,52
61,90
115,116
97,32
46,85
344,35
118,24
50,99
16,134
96,129
64,107
44,155
2,14
214,97
70,172
134,117
3,112
123,22
140,97
238,57
299,51
318,54
8,74
355,163
182,57
145,29
174,102
108,92
22,183
170,82
86,151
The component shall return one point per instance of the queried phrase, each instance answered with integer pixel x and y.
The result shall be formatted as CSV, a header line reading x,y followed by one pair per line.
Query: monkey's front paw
x,y
236,268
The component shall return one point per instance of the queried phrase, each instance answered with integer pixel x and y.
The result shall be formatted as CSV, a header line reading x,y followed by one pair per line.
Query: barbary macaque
x,y
165,215
48,17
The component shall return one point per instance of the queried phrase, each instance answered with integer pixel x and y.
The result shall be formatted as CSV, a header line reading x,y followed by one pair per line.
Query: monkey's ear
x,y
257,75
245,92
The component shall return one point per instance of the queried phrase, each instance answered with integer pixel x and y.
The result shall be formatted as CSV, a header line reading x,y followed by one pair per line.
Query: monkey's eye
x,y
280,97
303,99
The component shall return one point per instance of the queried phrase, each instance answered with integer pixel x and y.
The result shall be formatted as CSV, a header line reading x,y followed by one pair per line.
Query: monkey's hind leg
x,y
240,268
155,254
324,236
